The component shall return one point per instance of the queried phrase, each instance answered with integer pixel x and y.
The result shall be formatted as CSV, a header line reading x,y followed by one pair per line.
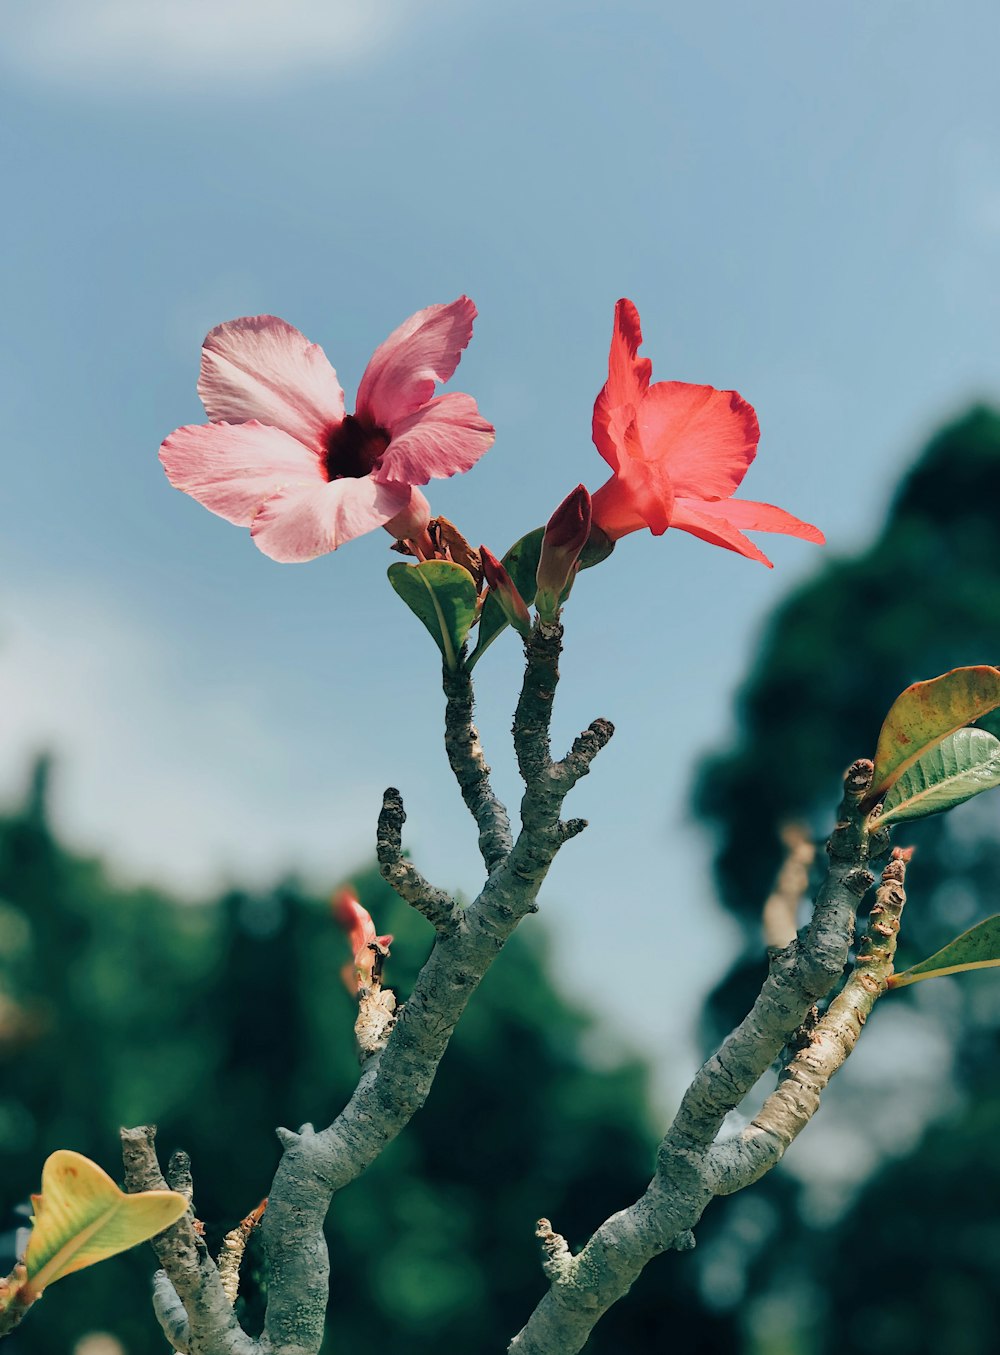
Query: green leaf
x,y
978,948
925,714
521,563
960,766
81,1217
443,595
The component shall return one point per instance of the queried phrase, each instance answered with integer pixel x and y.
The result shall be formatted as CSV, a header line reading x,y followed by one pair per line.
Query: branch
x,y
396,1080
790,887
687,1175
438,908
212,1328
465,756
794,1102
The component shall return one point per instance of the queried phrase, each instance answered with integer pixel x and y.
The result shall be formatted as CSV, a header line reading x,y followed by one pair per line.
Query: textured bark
x,y
467,761
396,1078
692,1167
212,1326
693,1164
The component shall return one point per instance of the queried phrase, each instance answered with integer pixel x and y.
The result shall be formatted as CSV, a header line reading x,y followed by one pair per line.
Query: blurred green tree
x,y
220,1021
924,598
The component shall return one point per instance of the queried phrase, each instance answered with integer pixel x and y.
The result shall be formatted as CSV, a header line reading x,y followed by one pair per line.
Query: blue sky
x,y
803,201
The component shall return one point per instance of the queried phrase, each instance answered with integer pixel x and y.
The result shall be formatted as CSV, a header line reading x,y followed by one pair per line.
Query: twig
x,y
790,887
688,1173
212,1325
395,1082
438,907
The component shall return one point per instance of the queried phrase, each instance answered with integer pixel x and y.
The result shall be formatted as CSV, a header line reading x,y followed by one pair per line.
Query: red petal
x,y
706,437
628,380
714,529
761,517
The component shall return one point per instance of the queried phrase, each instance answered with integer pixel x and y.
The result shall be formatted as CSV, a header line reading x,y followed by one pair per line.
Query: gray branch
x,y
465,756
438,907
396,1079
212,1328
691,1166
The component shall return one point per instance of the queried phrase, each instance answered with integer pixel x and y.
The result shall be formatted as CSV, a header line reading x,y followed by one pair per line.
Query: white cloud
x,y
137,44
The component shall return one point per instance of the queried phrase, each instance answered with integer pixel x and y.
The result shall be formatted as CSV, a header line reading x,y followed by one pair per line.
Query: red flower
x,y
361,937
678,453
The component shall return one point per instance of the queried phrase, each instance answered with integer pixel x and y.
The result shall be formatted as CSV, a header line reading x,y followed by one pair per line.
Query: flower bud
x,y
366,946
505,591
565,537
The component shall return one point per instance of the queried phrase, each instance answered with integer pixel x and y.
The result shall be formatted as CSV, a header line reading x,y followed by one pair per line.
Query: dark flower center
x,y
353,449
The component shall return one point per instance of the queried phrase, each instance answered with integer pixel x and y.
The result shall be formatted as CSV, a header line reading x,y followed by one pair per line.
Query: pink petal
x,y
233,468
421,353
259,367
706,437
628,379
299,524
761,517
443,437
690,517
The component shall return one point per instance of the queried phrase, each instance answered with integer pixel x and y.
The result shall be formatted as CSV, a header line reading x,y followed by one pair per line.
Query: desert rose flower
x,y
282,457
678,453
357,923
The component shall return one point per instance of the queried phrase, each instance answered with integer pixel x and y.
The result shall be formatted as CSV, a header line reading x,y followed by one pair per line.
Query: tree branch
x,y
467,761
438,907
396,1080
212,1328
688,1170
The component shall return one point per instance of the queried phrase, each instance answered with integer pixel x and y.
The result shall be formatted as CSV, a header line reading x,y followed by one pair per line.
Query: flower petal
x,y
628,380
761,517
706,437
233,468
260,367
422,352
300,523
443,437
689,516
639,495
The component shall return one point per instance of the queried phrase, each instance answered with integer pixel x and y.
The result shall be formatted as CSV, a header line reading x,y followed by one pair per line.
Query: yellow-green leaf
x,y
925,714
81,1217
443,595
978,948
960,766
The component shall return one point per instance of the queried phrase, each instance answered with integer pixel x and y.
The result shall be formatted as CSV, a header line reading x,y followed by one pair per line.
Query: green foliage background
x,y
924,598
221,1020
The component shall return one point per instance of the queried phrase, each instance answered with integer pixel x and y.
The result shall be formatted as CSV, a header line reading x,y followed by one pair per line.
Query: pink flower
x,y
361,937
678,453
280,455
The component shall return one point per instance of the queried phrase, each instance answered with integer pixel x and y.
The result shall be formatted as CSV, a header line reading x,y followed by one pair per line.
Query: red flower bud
x,y
565,537
505,591
365,945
